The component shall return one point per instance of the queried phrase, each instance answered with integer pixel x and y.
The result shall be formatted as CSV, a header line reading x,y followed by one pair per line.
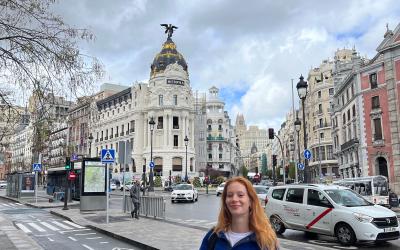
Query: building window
x,y
330,152
219,127
160,100
319,108
319,94
176,141
220,156
209,127
160,122
175,122
321,135
352,90
375,102
373,81
321,123
209,146
210,156
344,119
378,129
331,91
348,115
175,99
221,166
354,110
133,126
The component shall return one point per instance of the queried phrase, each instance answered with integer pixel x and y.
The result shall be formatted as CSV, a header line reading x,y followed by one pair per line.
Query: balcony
x,y
353,142
131,130
216,138
111,136
175,126
324,125
122,134
101,139
97,140
127,132
116,135
106,138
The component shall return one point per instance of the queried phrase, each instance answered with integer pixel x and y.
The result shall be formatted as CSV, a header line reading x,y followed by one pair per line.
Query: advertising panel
x,y
28,183
94,177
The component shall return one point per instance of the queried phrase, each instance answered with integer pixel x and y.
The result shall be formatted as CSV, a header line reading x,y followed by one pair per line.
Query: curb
x,y
111,234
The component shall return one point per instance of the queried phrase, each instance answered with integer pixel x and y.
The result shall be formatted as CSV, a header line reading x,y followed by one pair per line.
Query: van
x,y
331,210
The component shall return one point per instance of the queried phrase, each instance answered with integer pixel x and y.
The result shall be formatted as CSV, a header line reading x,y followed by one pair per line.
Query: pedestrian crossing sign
x,y
108,155
37,167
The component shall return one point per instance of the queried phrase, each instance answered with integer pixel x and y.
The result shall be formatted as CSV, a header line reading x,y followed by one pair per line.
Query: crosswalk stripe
x,y
19,204
61,225
49,226
73,224
5,205
23,228
36,227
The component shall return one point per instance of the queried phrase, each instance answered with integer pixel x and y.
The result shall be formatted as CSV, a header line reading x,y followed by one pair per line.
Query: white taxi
x,y
331,210
184,192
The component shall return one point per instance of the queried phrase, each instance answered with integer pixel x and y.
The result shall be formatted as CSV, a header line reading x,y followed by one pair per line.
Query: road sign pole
x,y
107,194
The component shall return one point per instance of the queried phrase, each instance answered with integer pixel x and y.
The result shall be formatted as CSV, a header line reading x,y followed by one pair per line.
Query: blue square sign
x,y
108,155
37,167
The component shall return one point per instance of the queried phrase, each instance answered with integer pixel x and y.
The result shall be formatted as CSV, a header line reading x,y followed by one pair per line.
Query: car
x,y
184,192
331,210
3,184
128,186
220,188
261,193
170,188
113,186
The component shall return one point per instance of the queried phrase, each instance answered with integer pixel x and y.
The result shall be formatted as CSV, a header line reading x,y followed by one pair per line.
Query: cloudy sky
x,y
250,50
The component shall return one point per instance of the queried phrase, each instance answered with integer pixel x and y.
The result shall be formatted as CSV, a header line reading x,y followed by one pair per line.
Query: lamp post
x,y
90,139
186,144
302,92
297,127
151,182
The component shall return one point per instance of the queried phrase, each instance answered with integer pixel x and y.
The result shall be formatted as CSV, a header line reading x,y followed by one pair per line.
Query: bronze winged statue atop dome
x,y
169,28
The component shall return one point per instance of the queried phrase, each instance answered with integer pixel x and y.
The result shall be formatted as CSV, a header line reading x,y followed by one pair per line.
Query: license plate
x,y
389,229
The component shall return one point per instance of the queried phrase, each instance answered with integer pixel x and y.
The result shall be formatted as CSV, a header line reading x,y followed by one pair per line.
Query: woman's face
x,y
237,199
28,181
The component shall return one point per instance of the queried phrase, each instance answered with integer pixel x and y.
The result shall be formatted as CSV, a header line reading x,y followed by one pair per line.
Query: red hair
x,y
258,221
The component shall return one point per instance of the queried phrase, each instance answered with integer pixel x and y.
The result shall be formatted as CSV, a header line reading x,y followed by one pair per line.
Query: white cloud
x,y
258,46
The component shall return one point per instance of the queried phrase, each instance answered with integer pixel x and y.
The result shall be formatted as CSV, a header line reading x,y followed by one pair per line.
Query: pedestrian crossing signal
x,y
107,155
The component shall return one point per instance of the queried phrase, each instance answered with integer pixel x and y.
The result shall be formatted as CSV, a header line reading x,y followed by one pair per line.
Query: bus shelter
x,y
20,185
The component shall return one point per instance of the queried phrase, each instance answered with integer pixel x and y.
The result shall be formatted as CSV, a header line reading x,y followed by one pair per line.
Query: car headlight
x,y
363,217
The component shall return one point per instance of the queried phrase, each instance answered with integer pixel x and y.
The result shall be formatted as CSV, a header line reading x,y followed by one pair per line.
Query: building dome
x,y
168,55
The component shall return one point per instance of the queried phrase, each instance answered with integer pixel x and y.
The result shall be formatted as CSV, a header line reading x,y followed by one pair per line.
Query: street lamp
x,y
186,144
90,139
151,183
297,127
302,92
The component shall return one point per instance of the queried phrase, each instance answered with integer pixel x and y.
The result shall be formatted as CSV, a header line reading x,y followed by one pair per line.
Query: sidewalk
x,y
145,233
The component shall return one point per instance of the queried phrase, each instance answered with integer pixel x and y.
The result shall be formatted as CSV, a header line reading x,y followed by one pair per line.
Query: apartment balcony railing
x,y
97,140
216,138
106,138
122,134
175,126
349,144
116,135
132,130
111,136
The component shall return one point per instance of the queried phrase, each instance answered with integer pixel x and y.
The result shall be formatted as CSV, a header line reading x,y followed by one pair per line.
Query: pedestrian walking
x,y
135,195
242,223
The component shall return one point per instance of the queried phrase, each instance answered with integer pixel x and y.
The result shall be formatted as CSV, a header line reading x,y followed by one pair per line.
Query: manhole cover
x,y
102,219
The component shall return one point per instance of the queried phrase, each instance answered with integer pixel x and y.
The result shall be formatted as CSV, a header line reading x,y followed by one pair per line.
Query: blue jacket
x,y
222,243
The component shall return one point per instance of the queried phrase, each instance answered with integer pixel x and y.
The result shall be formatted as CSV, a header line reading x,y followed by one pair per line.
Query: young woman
x,y
242,223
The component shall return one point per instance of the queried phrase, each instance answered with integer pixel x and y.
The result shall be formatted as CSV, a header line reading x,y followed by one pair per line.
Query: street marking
x,y
85,234
36,227
104,242
23,228
49,226
76,230
94,238
319,217
32,216
87,247
72,238
61,225
50,239
19,204
6,205
73,224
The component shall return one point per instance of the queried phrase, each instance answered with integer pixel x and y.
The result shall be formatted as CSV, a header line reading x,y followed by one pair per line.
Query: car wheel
x,y
197,197
172,201
217,194
277,225
193,199
345,234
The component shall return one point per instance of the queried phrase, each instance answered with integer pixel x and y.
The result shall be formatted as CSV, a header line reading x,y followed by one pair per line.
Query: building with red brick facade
x,y
380,91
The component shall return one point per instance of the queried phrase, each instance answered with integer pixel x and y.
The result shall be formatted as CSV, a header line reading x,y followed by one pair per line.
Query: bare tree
x,y
39,52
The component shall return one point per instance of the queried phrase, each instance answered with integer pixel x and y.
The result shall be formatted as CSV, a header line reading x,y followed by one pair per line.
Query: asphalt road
x,y
53,232
204,214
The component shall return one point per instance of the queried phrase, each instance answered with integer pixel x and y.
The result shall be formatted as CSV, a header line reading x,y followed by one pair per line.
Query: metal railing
x,y
150,206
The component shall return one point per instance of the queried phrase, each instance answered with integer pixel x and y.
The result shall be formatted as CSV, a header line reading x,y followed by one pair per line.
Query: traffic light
x,y
67,163
271,133
274,161
144,168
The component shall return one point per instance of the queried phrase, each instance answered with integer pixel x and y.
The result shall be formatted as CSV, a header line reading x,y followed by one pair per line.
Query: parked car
x,y
261,193
113,186
3,184
332,210
184,192
220,188
127,186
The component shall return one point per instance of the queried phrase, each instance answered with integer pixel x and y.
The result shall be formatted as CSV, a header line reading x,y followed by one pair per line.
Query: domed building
x,y
168,100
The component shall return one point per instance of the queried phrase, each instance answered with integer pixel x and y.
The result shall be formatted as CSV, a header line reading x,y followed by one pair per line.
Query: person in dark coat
x,y
135,195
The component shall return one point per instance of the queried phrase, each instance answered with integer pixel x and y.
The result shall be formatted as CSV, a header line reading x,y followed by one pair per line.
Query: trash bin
x,y
393,199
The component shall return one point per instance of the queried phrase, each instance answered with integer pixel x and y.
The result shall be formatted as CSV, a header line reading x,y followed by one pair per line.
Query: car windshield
x,y
183,187
221,185
347,198
261,190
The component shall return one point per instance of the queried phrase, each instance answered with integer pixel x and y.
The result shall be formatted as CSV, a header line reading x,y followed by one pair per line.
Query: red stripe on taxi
x,y
319,217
